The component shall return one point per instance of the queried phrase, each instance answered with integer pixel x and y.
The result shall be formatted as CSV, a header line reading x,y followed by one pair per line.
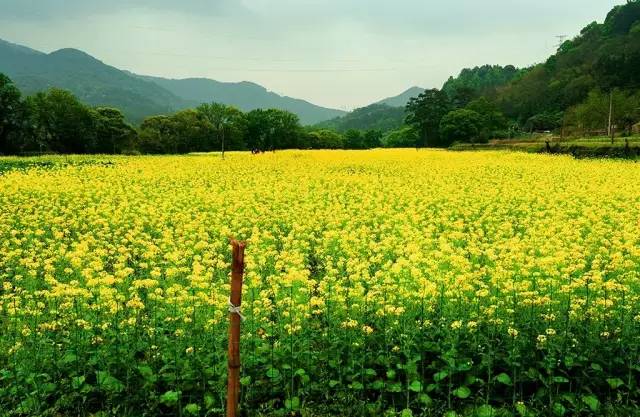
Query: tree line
x,y
590,85
55,121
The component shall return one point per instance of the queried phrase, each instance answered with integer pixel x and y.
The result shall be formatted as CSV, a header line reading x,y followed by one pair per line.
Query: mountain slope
x,y
244,95
403,98
99,84
373,117
92,81
604,56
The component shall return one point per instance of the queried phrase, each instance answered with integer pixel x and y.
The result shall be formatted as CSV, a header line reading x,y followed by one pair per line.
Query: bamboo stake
x,y
235,300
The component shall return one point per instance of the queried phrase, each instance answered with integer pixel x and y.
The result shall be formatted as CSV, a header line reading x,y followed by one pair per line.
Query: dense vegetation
x,y
570,93
56,121
380,283
591,79
381,117
138,97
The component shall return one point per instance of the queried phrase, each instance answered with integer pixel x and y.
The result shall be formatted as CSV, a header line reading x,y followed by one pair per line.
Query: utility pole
x,y
561,39
610,127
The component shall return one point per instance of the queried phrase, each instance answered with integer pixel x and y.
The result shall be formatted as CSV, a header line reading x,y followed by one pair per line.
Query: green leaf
x,y
395,387
440,376
292,404
592,401
425,399
450,414
209,401
28,406
245,380
108,382
485,411
596,367
415,386
68,358
146,372
462,392
48,387
378,384
391,374
504,379
406,413
615,383
521,409
333,383
560,380
370,372
170,398
464,366
356,385
273,373
77,381
193,409
559,409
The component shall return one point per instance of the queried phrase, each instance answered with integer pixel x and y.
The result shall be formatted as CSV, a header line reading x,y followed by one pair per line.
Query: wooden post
x,y
235,300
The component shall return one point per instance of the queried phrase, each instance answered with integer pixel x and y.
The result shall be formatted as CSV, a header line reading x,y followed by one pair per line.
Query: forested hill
x,y
245,95
403,98
92,81
380,117
98,84
603,57
571,93
485,80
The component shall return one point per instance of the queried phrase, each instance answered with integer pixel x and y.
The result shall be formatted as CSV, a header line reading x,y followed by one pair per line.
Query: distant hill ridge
x,y
99,84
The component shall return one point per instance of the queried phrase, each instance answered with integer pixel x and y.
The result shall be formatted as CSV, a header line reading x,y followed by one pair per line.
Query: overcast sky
x,y
337,53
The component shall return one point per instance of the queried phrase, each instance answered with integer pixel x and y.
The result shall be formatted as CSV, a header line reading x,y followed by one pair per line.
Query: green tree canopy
x,y
425,113
11,115
61,123
461,125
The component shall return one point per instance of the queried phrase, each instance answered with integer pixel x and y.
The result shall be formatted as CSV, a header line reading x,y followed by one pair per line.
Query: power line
x,y
561,39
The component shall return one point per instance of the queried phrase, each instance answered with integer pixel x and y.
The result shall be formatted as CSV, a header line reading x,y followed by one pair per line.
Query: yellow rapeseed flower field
x,y
390,280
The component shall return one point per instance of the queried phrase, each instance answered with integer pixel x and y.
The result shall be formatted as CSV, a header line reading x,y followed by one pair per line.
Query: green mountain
x,y
244,95
482,80
98,84
402,99
380,117
92,81
604,56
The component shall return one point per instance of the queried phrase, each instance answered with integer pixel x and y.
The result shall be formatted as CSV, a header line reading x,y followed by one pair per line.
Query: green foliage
x,y
425,113
113,133
228,125
381,117
592,115
475,82
139,97
273,129
461,125
11,115
325,139
61,123
602,57
405,137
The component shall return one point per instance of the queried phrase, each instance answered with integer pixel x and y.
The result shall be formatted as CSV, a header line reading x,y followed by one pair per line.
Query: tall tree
x,y
461,125
61,122
273,129
11,116
228,125
113,133
425,113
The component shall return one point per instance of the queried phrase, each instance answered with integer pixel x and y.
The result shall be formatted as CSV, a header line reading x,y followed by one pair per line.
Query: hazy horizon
x,y
331,53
